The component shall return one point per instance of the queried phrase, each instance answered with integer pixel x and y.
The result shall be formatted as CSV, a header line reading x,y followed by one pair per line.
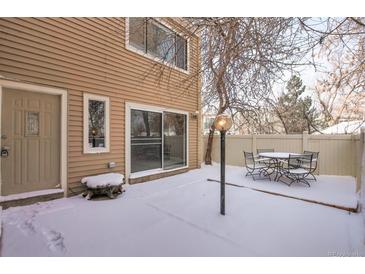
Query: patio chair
x,y
263,150
270,164
295,168
254,167
313,168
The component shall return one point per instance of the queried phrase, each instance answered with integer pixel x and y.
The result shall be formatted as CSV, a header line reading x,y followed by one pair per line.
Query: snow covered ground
x,y
179,216
334,190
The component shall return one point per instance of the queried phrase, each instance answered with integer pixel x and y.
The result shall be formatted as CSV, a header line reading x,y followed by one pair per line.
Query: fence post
x,y
254,143
360,176
305,140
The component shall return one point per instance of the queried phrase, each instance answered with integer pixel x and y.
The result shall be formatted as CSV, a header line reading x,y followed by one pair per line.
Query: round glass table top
x,y
277,155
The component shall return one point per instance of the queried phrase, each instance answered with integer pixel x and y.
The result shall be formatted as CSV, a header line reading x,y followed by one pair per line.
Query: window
x,y
32,123
174,140
137,33
146,140
96,124
153,38
160,42
158,140
181,52
208,122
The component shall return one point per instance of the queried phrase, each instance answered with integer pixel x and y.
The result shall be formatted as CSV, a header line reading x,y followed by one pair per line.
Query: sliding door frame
x,y
137,106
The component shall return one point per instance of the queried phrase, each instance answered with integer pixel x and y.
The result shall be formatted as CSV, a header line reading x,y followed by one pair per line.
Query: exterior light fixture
x,y
94,132
223,122
194,115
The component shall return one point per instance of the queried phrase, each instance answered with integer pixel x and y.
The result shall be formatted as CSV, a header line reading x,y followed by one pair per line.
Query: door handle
x,y
4,151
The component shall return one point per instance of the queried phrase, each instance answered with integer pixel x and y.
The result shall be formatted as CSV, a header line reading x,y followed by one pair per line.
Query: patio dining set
x,y
285,167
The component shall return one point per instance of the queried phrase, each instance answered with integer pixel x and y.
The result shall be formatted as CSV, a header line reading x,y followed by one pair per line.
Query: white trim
x,y
154,58
128,107
154,108
127,141
87,149
47,90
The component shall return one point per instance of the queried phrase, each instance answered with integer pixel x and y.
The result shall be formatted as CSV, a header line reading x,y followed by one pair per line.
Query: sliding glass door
x,y
146,140
174,145
158,140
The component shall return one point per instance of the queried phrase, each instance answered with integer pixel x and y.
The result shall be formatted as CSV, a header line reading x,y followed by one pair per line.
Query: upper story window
x,y
151,37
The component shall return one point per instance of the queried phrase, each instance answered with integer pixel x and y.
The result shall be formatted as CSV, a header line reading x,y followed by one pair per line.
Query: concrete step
x,y
28,198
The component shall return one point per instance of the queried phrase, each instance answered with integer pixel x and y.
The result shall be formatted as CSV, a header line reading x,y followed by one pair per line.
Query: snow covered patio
x,y
337,191
179,216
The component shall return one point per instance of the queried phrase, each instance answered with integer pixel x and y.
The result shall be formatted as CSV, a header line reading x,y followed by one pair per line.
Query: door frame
x,y
52,91
132,105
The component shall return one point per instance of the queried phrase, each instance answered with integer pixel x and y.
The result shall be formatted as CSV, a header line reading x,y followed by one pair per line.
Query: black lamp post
x,y
223,123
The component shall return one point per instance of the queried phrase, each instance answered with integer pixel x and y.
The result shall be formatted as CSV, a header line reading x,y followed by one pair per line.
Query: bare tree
x,y
241,57
341,92
259,120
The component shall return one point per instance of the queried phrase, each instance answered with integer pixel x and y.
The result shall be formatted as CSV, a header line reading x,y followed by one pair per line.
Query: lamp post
x,y
223,122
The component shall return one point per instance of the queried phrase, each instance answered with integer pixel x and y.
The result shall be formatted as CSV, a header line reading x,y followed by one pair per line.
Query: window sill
x,y
96,151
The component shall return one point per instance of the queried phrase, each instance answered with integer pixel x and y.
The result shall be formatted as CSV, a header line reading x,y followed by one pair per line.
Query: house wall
x,y
89,55
338,154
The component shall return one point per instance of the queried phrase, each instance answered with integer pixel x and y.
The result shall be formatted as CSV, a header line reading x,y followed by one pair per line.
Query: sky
x,y
308,73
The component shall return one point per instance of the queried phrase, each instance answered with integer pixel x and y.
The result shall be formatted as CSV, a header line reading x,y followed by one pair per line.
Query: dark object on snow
x,y
111,191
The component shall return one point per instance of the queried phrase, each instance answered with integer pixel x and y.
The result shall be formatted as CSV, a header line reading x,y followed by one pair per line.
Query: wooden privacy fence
x,y
338,154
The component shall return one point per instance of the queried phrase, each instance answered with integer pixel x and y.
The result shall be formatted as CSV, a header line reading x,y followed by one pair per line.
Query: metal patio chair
x,y
254,166
270,163
263,150
313,168
296,168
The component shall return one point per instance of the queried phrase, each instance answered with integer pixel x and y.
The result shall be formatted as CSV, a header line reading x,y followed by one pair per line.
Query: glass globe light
x,y
223,122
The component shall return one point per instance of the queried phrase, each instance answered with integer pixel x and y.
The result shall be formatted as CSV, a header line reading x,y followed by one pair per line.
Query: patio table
x,y
276,157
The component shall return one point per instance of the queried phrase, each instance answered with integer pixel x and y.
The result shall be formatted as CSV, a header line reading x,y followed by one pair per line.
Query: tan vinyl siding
x,y
89,55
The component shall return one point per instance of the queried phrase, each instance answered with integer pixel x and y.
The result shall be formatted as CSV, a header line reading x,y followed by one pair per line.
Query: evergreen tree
x,y
295,111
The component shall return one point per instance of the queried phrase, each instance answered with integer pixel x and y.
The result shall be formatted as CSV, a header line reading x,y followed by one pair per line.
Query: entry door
x,y
30,133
